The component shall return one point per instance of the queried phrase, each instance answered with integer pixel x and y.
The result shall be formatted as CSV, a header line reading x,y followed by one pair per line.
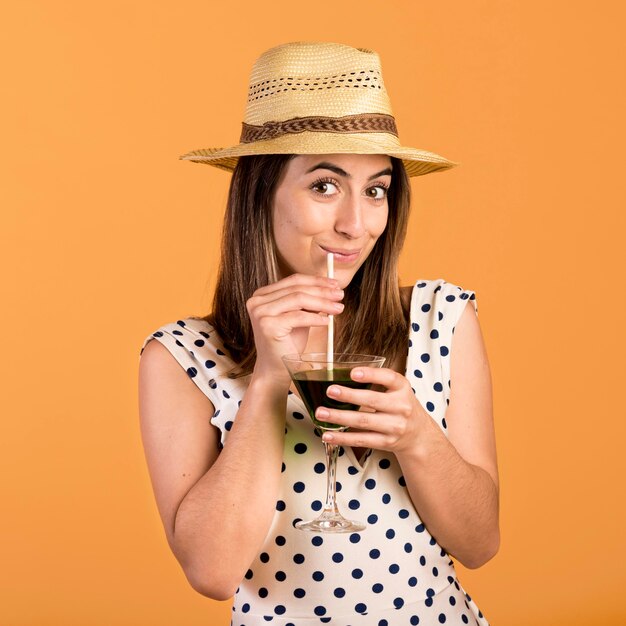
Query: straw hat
x,y
319,98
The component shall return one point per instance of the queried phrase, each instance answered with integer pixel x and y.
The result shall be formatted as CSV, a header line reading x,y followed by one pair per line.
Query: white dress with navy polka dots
x,y
393,573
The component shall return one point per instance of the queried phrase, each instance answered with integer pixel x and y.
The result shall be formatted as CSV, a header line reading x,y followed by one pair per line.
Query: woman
x,y
234,463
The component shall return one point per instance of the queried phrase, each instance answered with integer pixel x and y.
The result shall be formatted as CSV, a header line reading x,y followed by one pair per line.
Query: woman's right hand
x,y
283,313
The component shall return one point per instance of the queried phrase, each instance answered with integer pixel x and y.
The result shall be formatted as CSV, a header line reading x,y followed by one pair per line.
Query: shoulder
x,y
198,352
198,349
162,379
176,348
169,401
193,340
189,331
430,294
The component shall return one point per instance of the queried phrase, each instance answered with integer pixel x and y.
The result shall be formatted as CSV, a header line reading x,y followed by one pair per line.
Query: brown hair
x,y
373,321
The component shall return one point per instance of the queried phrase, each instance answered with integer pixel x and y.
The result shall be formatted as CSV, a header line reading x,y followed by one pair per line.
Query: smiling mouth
x,y
343,256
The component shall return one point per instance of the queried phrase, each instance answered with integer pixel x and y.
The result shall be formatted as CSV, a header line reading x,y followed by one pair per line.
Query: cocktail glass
x,y
312,374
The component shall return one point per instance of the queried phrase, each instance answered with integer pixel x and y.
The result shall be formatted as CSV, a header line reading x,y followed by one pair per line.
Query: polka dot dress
x,y
394,573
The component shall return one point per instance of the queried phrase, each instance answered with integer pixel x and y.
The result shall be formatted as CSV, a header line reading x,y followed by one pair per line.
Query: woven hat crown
x,y
323,79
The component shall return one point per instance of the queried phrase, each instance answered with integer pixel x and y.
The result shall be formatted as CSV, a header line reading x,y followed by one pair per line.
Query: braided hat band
x,y
319,98
347,124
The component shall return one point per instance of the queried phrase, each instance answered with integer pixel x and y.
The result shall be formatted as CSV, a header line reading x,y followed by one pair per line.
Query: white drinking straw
x,y
330,272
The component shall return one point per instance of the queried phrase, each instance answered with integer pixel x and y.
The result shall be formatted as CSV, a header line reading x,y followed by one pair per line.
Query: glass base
x,y
335,524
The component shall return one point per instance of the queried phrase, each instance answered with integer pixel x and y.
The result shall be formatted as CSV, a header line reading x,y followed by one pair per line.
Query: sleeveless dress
x,y
394,572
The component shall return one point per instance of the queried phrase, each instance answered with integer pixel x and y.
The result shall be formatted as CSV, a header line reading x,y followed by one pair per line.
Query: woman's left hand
x,y
388,420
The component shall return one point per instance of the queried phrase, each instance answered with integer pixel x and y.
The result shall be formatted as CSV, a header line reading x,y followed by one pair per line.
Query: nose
x,y
349,217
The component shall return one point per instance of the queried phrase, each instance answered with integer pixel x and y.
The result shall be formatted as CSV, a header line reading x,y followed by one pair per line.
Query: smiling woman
x,y
234,464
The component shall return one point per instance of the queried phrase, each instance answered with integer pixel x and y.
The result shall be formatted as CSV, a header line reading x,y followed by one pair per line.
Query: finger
x,y
362,420
380,376
297,319
324,291
359,439
298,302
298,279
378,400
329,293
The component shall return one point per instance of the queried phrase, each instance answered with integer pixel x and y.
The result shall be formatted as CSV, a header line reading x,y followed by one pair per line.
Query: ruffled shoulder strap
x,y
436,307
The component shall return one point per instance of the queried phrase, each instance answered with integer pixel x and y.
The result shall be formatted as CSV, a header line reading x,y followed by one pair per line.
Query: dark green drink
x,y
312,386
312,373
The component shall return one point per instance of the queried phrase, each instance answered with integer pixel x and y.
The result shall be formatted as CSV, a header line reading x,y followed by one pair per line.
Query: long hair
x,y
373,320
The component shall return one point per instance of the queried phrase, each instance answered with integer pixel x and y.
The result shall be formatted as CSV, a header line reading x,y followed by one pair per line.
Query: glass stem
x,y
332,451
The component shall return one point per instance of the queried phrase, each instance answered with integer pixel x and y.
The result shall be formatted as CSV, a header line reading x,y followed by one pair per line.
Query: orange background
x,y
106,236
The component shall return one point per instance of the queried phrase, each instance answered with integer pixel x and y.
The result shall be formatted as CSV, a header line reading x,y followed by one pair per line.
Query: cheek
x,y
379,223
300,222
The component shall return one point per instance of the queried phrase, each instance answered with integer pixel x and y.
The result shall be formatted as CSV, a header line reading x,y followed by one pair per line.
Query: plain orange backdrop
x,y
106,235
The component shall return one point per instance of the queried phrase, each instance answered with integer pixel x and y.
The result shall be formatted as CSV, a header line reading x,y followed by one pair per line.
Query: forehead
x,y
355,165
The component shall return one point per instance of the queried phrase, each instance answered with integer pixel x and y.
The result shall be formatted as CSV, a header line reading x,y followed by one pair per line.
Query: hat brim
x,y
417,162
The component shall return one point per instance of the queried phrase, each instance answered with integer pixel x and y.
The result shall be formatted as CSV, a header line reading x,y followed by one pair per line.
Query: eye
x,y
322,185
382,189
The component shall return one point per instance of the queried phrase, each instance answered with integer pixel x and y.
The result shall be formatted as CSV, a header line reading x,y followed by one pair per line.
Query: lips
x,y
343,256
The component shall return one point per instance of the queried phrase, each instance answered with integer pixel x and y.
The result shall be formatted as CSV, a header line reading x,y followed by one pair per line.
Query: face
x,y
330,203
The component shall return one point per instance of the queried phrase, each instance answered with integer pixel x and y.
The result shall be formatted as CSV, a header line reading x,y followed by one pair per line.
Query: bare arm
x,y
217,507
453,482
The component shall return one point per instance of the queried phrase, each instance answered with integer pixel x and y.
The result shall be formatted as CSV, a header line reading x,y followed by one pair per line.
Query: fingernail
x,y
357,373
338,306
338,292
333,391
322,412
327,437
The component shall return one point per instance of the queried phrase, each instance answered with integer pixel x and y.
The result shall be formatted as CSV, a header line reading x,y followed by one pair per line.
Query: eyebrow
x,y
324,165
